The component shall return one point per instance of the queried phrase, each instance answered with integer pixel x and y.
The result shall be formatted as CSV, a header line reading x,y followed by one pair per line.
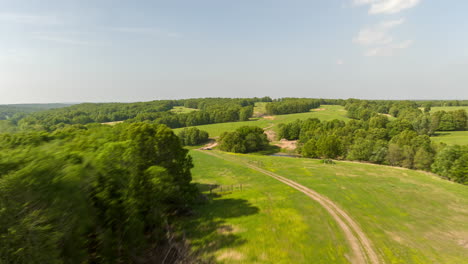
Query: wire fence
x,y
215,188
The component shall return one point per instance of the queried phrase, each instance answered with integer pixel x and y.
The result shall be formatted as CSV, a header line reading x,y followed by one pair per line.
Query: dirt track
x,y
361,246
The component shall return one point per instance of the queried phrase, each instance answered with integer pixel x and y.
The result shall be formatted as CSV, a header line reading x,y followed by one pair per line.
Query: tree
x,y
459,170
423,159
329,146
193,136
97,195
246,113
245,139
450,162
309,150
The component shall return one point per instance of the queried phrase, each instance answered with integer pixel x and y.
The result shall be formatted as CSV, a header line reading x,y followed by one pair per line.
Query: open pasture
x,y
410,216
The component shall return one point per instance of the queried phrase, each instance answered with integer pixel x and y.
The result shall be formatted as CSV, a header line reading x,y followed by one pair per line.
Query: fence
x,y
214,188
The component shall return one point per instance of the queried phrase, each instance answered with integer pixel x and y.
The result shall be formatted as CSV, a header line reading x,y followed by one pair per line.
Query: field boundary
x,y
361,246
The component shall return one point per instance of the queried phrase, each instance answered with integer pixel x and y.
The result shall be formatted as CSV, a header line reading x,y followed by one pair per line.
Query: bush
x,y
193,136
244,140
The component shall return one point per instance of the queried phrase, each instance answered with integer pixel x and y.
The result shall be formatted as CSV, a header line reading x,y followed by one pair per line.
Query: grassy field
x,y
259,109
447,108
452,137
266,222
411,216
326,112
182,110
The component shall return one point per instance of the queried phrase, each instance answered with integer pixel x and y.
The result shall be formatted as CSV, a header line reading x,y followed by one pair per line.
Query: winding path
x,y
361,247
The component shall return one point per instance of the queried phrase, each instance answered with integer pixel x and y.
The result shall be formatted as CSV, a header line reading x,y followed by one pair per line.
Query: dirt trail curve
x,y
361,246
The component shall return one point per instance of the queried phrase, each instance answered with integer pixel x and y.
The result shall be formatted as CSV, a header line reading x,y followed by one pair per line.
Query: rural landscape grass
x,y
448,108
410,216
266,222
326,112
182,110
451,137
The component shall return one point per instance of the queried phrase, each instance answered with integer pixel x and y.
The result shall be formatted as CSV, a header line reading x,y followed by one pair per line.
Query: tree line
x,y
421,120
211,110
291,105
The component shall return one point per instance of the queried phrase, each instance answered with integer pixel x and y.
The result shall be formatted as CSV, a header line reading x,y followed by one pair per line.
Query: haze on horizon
x,y
115,50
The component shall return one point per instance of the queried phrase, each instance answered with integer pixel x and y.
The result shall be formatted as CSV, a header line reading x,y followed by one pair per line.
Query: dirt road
x,y
361,247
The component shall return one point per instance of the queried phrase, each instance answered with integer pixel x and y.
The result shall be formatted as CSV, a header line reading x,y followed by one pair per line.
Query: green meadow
x,y
410,216
182,110
326,112
451,137
266,222
448,108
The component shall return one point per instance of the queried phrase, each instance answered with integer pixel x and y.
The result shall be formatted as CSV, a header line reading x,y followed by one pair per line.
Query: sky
x,y
126,51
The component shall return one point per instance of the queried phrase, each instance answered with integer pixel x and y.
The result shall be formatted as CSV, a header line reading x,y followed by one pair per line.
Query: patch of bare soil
x,y
228,229
112,123
230,255
320,109
271,135
213,143
269,117
287,144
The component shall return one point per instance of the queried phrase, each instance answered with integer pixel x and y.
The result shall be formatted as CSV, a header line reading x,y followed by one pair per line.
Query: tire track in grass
x,y
361,246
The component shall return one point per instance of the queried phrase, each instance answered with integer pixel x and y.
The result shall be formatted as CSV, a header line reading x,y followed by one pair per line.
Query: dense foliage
x,y
193,136
452,162
91,194
244,140
211,110
17,111
291,105
408,111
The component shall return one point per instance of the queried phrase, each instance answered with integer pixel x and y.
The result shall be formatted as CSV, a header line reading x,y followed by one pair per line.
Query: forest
x,y
92,194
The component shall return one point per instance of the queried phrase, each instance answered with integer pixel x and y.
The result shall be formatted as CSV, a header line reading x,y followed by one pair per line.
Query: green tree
x,y
245,139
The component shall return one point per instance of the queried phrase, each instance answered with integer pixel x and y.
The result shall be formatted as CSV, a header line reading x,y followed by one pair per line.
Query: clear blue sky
x,y
116,50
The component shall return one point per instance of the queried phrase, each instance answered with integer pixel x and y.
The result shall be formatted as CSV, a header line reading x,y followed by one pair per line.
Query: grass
x,y
329,112
411,216
182,110
452,137
259,109
447,108
266,222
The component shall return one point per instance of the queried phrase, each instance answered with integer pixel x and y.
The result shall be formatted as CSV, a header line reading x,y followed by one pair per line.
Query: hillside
x,y
325,112
410,216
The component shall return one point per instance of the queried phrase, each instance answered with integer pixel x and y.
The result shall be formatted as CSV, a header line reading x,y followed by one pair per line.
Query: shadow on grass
x,y
440,134
270,149
203,187
208,230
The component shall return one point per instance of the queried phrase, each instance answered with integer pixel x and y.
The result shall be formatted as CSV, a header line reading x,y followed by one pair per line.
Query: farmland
x,y
451,137
182,110
401,211
448,108
326,112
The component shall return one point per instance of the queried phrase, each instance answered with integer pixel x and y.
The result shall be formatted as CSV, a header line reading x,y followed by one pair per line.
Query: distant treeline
x,y
430,103
291,105
19,110
212,110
